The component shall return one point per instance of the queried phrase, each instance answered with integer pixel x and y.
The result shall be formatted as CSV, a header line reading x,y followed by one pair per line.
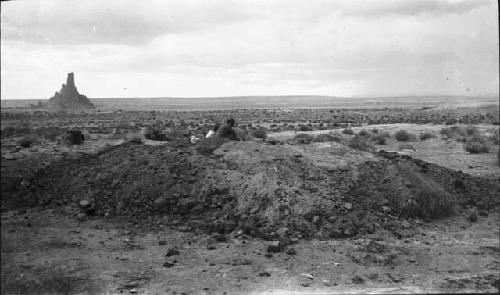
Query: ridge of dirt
x,y
321,190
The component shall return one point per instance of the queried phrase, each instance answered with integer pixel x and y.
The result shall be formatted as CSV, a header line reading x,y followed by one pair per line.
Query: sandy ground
x,y
49,250
108,256
448,153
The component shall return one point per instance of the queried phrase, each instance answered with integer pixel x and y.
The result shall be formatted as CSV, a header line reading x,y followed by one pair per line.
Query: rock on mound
x,y
317,190
69,98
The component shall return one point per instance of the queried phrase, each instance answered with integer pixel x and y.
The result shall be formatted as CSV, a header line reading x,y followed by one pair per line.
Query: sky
x,y
199,48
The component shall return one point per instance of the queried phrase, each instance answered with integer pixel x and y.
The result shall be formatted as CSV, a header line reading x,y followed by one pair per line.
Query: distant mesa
x,y
69,99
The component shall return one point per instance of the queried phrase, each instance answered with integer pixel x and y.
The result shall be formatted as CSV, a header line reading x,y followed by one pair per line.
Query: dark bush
x,y
348,131
476,147
303,138
156,135
305,128
260,133
426,135
361,143
206,146
454,131
471,130
431,202
74,137
363,132
379,139
27,141
325,138
403,135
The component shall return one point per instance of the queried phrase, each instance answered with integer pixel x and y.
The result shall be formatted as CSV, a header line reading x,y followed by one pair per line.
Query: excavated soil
x,y
321,190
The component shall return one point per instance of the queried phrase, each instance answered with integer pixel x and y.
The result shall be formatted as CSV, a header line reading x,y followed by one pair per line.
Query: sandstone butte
x,y
69,99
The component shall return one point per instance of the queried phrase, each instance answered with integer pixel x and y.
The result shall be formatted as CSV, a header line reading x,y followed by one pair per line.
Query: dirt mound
x,y
318,190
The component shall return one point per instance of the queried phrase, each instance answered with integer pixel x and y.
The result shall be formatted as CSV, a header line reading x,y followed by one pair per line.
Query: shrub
x,y
363,132
260,133
325,138
361,143
403,135
454,131
431,202
426,135
206,146
303,138
379,139
305,128
348,131
476,144
471,130
476,147
27,141
375,130
493,135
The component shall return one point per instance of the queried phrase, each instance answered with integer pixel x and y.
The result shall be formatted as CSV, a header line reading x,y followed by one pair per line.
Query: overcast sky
x,y
249,47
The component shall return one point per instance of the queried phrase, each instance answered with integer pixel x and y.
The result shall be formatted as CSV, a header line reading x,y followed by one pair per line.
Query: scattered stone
x,y
348,206
211,247
268,255
219,237
274,247
375,247
473,216
412,259
172,252
183,228
396,278
264,274
307,275
84,204
291,251
168,264
483,213
357,280
386,209
162,243
81,216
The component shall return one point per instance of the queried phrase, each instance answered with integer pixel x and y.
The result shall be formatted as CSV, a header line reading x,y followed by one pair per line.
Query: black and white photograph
x,y
273,147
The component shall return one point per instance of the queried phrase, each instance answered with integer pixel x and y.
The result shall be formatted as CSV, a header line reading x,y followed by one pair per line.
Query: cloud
x,y
112,22
226,47
410,7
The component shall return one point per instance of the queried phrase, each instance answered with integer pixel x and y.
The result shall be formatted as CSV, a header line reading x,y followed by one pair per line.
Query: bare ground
x,y
107,256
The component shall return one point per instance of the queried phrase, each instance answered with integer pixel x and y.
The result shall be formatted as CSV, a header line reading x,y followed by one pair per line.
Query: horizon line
x,y
280,95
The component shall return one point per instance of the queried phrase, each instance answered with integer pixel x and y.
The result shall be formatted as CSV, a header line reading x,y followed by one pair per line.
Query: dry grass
x,y
207,146
476,144
379,139
403,135
326,138
427,135
348,131
49,280
260,133
430,202
361,143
